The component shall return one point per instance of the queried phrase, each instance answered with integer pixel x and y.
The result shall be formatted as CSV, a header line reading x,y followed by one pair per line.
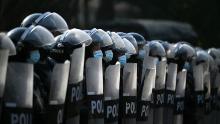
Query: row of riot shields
x,y
171,84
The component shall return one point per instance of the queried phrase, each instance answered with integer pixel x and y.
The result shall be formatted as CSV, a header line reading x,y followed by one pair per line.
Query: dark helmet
x,y
28,21
100,36
74,37
139,38
130,49
67,42
118,43
169,48
121,33
15,34
130,38
50,20
37,36
6,43
212,64
156,49
202,57
215,53
34,36
166,45
184,51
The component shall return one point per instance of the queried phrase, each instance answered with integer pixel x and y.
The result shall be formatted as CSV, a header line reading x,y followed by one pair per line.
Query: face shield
x,y
75,37
215,53
132,40
28,21
52,21
130,49
118,43
139,38
184,52
15,34
38,37
156,49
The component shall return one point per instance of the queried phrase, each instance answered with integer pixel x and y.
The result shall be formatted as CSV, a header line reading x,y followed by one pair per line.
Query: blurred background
x,y
195,21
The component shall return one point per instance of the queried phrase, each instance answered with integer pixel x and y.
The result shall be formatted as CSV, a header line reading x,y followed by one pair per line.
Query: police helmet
x,y
170,49
156,49
202,57
33,37
15,34
139,38
130,38
130,49
50,20
215,53
184,52
28,21
118,43
74,37
100,36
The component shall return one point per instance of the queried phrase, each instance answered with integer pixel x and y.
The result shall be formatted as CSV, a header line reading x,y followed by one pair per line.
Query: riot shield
x,y
207,92
217,81
198,77
57,95
149,62
147,81
170,93
216,100
158,94
94,86
218,106
207,85
3,69
199,99
179,97
129,93
214,88
75,85
217,85
144,108
111,94
18,96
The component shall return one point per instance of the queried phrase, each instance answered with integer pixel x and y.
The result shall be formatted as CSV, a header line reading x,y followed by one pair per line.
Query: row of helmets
x,y
53,74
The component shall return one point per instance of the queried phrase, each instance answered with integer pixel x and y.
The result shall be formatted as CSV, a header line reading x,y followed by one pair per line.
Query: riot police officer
x,y
94,83
170,84
7,49
142,51
101,36
111,75
30,42
215,53
184,55
128,86
72,45
157,60
201,82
